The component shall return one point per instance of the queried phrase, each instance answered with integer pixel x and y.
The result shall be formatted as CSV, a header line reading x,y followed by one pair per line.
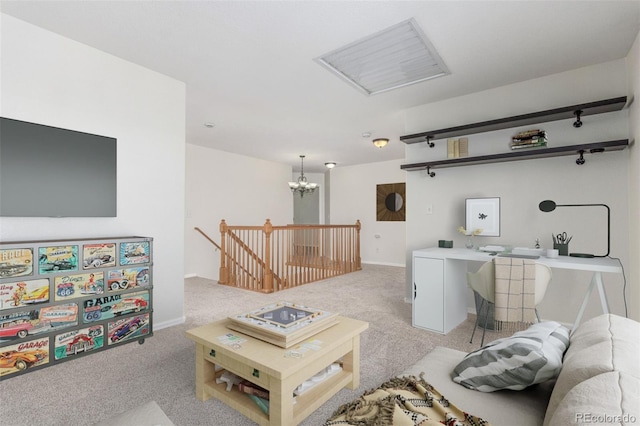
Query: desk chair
x,y
483,283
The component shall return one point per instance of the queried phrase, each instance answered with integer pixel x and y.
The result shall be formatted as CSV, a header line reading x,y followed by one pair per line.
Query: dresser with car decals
x,y
62,299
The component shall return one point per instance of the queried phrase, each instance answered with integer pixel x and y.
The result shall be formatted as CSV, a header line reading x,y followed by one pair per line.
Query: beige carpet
x,y
92,388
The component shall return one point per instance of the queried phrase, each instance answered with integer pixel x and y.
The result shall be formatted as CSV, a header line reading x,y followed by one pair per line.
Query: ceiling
x,y
249,66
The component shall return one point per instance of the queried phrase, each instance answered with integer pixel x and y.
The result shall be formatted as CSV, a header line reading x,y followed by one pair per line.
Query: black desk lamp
x,y
549,206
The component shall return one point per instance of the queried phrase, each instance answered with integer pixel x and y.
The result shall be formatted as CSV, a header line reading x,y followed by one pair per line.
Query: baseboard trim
x,y
400,265
569,325
187,276
170,323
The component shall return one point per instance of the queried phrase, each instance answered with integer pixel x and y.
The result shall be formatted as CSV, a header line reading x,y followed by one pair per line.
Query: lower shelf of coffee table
x,y
304,404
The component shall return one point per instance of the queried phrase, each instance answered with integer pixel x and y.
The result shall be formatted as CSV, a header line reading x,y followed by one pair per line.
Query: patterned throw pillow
x,y
526,358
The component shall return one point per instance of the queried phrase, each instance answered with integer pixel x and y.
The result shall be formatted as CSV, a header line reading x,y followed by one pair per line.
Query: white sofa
x,y
599,382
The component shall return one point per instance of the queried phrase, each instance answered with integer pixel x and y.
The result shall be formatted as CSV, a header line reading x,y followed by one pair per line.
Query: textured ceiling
x,y
249,68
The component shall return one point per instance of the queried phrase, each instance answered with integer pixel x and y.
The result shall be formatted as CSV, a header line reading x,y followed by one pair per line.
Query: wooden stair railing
x,y
208,238
253,259
218,246
270,258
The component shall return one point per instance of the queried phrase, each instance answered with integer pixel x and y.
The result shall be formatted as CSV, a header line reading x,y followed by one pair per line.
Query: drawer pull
x,y
212,353
256,373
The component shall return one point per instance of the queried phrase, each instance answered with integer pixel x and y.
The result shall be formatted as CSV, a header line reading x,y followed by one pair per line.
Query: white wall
x,y
633,67
242,190
522,185
326,215
353,197
55,81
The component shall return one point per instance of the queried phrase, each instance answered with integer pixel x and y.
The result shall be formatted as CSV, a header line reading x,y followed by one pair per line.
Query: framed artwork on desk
x,y
483,213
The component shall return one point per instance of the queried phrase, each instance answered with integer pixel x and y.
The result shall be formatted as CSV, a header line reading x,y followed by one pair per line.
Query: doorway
x,y
306,210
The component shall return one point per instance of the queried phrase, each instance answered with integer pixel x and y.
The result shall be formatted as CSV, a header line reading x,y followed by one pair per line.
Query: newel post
x,y
267,284
358,261
224,272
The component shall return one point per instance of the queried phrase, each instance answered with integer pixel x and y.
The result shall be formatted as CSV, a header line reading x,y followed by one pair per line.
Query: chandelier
x,y
302,186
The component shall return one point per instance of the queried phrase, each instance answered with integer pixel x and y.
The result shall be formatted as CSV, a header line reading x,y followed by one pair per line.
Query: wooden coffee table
x,y
268,366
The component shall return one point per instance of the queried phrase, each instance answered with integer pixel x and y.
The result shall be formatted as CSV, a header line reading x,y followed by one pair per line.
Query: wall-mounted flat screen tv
x,y
51,172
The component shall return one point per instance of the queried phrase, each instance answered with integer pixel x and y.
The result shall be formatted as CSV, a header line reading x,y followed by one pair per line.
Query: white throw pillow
x,y
526,358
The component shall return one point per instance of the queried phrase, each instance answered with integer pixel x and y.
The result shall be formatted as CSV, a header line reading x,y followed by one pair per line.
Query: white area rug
x,y
149,414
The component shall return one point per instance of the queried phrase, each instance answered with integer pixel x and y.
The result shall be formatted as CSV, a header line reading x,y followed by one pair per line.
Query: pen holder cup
x,y
445,243
563,249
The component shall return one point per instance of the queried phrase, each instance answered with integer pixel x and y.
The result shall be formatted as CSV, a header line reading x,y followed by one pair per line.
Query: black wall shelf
x,y
590,108
523,154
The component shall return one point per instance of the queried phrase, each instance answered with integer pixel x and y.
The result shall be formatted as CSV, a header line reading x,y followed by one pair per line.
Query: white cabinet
x,y
428,293
439,292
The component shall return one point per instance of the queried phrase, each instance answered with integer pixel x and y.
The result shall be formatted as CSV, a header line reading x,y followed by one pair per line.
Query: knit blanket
x,y
403,401
515,293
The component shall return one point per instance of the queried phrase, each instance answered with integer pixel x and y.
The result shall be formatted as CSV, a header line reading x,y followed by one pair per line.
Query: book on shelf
x,y
451,148
527,134
260,402
463,150
457,148
528,141
529,145
253,389
532,139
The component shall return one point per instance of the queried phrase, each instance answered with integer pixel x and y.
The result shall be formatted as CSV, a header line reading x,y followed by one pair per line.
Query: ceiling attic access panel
x,y
590,108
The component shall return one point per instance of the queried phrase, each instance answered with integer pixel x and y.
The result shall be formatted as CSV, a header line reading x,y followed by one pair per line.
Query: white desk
x,y
448,285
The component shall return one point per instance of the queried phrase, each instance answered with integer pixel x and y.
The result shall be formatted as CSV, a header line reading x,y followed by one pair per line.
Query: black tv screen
x,y
51,172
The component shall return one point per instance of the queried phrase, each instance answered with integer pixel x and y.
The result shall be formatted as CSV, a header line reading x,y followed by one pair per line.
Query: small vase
x,y
469,243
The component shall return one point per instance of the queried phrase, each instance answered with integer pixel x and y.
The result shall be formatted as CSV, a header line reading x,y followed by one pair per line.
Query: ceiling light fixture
x,y
380,142
302,186
330,165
